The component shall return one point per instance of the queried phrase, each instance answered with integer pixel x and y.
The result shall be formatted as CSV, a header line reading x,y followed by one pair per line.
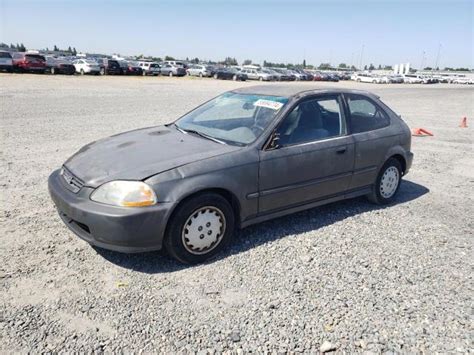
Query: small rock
x,y
327,346
235,336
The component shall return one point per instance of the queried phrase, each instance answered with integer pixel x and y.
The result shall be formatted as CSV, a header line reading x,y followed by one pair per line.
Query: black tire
x,y
200,75
376,196
261,78
174,239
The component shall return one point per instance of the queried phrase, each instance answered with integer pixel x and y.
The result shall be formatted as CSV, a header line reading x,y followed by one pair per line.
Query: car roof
x,y
292,90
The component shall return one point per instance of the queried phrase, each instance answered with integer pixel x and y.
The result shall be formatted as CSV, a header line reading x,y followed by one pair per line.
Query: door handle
x,y
341,150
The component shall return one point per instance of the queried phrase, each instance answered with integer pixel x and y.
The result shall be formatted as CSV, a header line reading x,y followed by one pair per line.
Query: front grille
x,y
72,182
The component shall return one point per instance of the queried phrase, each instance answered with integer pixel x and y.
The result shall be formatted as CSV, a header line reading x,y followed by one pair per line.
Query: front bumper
x,y
127,230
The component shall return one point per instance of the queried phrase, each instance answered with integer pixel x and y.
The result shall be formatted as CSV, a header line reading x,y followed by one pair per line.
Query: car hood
x,y
139,154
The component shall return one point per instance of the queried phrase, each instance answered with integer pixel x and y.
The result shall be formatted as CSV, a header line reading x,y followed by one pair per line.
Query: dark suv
x,y
29,62
110,67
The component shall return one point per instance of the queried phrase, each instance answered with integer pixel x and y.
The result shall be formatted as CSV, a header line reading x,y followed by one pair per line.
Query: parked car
x,y
200,70
176,63
276,75
396,79
6,61
462,80
29,62
242,158
230,73
86,66
364,78
258,74
59,66
130,67
412,79
298,76
172,70
150,68
285,74
110,67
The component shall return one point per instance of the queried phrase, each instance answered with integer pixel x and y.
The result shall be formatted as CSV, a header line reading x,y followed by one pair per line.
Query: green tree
x,y
342,66
380,67
247,62
388,67
195,60
74,52
22,48
304,63
69,49
365,67
371,67
55,48
324,66
169,58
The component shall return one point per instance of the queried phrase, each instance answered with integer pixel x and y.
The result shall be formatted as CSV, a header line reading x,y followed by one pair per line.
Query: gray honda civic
x,y
244,157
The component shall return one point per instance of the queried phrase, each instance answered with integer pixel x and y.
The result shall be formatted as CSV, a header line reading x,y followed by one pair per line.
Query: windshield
x,y
233,118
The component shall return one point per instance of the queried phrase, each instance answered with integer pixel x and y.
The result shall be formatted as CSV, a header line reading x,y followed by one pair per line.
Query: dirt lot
x,y
349,276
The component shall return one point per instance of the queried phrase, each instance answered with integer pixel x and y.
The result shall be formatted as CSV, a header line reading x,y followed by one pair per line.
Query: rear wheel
x,y
199,228
387,183
200,75
82,72
170,74
261,78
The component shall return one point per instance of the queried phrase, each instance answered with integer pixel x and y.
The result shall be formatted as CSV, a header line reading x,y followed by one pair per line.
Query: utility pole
x,y
423,57
437,57
361,55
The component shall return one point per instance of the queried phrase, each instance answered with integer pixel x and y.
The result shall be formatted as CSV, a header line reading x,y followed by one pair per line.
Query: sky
x,y
338,31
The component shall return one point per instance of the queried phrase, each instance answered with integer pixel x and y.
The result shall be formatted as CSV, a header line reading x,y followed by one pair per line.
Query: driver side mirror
x,y
273,143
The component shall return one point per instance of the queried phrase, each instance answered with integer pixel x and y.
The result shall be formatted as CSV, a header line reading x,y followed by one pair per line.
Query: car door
x,y
373,136
314,157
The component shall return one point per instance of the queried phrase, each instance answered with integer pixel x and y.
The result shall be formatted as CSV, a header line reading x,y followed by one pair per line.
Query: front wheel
x,y
170,74
387,183
200,228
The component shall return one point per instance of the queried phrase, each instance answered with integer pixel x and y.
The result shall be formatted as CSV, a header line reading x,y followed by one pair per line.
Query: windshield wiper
x,y
203,135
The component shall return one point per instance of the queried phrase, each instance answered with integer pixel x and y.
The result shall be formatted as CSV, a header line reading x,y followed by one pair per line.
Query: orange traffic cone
x,y
421,132
463,122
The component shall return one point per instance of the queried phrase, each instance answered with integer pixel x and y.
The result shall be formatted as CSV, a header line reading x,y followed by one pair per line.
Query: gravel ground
x,y
347,277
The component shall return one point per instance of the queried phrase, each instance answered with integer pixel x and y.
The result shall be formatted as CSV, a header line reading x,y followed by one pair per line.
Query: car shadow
x,y
253,236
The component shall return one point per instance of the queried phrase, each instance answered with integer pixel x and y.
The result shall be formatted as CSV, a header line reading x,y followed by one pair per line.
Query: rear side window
x,y
5,55
365,115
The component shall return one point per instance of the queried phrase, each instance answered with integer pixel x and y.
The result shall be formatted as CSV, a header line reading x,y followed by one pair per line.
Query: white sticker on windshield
x,y
274,105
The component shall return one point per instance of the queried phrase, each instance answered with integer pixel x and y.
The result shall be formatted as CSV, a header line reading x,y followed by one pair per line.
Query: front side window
x,y
233,118
312,120
365,115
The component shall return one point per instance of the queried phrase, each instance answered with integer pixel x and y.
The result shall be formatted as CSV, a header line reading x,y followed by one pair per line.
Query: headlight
x,y
125,194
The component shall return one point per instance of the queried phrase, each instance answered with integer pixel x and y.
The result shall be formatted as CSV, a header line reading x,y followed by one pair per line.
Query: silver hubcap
x,y
203,230
389,182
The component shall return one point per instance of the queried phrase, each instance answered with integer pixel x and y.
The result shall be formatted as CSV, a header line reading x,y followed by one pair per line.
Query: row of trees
x,y
16,47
